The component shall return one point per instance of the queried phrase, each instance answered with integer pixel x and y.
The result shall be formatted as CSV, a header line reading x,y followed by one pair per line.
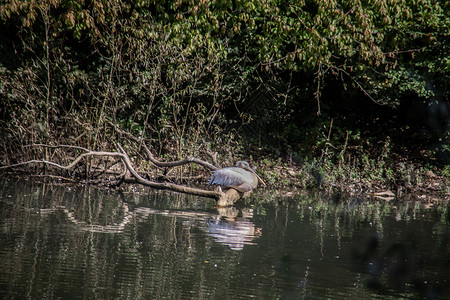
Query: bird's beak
x,y
259,178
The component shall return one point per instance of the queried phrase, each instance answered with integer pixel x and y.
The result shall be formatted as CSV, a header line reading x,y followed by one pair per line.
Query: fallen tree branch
x,y
223,199
178,162
161,164
165,185
69,166
213,156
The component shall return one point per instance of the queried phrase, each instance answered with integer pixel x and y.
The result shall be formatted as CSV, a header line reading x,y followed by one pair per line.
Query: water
x,y
60,242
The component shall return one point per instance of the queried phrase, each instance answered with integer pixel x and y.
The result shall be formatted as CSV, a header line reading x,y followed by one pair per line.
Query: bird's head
x,y
244,165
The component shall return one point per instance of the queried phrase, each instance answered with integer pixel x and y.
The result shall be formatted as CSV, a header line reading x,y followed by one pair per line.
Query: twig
x,y
324,153
358,84
54,177
178,162
58,146
341,160
317,93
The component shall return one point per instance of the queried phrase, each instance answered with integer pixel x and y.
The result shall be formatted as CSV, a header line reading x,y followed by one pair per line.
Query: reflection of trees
x,y
56,242
361,234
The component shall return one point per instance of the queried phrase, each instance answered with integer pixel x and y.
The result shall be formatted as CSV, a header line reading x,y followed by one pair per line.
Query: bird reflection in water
x,y
228,226
230,229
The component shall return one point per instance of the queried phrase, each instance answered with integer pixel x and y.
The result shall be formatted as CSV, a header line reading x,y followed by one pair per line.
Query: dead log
x,y
228,198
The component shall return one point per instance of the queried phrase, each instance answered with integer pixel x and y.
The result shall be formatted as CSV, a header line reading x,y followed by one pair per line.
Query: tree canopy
x,y
186,71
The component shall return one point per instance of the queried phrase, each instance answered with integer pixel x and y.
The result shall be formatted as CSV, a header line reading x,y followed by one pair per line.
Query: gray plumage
x,y
241,178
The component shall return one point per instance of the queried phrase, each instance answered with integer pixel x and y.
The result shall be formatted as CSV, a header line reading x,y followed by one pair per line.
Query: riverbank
x,y
367,178
404,180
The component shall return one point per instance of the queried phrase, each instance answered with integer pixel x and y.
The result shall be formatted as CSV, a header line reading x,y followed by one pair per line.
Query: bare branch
x,y
223,199
358,84
178,162
161,164
58,146
213,156
69,166
165,185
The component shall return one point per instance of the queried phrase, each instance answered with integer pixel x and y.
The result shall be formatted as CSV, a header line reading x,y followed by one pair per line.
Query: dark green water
x,y
59,242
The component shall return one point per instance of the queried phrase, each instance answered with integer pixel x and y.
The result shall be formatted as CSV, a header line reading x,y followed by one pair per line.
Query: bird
x,y
241,178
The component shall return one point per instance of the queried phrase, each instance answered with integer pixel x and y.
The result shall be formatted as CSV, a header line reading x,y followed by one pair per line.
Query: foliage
x,y
446,172
184,73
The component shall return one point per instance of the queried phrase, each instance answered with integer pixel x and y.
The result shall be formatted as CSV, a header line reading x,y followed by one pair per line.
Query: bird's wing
x,y
226,177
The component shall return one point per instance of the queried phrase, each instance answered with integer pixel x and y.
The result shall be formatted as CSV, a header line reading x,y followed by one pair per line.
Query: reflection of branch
x,y
226,227
110,228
